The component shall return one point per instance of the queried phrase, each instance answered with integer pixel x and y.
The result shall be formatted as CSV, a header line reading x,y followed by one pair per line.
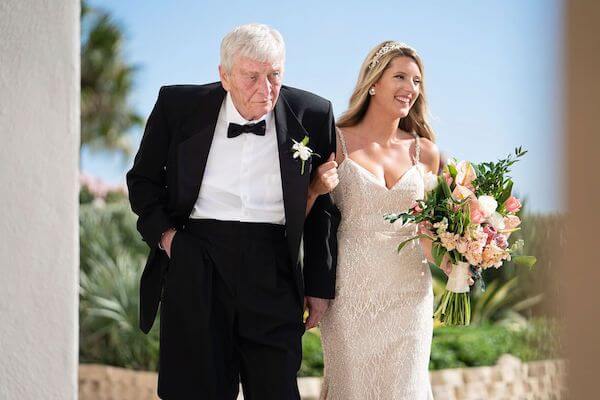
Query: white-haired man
x,y
221,185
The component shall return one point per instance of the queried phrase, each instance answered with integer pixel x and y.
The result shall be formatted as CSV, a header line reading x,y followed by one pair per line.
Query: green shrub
x,y
116,196
105,231
85,195
109,303
483,345
539,340
466,347
112,256
312,354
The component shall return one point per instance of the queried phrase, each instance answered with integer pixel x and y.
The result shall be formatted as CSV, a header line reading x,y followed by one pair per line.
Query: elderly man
x,y
221,183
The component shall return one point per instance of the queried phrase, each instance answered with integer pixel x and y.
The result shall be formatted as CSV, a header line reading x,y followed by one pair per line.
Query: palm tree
x,y
106,82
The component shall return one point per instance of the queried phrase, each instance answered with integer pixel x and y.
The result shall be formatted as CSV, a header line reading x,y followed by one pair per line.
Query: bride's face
x,y
398,88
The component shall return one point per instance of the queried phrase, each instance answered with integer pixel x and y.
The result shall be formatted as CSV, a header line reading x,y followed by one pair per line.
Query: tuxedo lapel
x,y
295,184
199,128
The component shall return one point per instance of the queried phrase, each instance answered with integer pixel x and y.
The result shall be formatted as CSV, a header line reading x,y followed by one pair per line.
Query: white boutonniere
x,y
303,151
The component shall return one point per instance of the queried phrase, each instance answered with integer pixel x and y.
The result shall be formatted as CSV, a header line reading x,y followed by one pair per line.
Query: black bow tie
x,y
235,130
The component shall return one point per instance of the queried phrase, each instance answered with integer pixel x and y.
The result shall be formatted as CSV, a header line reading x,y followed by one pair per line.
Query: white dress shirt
x,y
242,179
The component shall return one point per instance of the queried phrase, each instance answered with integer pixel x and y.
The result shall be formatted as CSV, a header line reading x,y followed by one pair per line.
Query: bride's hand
x,y
326,178
447,268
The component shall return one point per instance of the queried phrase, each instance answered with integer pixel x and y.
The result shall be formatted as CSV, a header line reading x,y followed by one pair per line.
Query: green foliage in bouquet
x,y
493,179
454,309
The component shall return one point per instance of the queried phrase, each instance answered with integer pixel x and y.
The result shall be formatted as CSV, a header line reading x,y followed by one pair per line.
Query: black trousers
x,y
230,311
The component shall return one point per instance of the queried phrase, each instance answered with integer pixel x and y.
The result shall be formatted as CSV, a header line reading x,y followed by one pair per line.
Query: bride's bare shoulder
x,y
430,154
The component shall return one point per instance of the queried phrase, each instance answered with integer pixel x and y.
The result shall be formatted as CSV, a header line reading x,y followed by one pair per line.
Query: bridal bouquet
x,y
468,213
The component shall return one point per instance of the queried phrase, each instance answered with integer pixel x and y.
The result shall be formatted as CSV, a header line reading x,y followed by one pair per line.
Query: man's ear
x,y
224,78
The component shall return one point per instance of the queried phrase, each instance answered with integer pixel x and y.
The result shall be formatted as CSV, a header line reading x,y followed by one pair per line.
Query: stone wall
x,y
509,379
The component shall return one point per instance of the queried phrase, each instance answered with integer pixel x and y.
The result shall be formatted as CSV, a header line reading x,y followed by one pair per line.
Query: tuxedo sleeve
x,y
320,228
146,180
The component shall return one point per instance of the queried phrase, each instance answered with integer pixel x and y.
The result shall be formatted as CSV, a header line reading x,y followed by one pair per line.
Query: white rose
x,y
496,220
431,181
487,204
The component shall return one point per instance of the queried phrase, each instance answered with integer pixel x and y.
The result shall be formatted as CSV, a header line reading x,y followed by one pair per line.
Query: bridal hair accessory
x,y
384,50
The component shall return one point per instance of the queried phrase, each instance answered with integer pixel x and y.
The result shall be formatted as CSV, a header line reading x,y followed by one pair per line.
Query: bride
x,y
377,331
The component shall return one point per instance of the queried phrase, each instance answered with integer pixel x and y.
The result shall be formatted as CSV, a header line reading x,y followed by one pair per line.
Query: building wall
x,y
39,147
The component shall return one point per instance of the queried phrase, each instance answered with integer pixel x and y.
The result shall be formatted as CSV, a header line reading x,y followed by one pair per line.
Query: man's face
x,y
253,85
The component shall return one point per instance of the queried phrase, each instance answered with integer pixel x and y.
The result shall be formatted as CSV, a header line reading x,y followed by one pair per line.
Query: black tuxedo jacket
x,y
166,176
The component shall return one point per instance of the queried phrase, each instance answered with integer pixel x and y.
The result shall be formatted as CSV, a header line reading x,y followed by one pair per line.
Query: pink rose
x,y
512,204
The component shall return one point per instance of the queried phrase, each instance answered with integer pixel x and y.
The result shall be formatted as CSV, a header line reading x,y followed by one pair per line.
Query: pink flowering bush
x,y
94,190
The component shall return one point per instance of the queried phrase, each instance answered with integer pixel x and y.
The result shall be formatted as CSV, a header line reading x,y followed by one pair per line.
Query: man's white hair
x,y
258,42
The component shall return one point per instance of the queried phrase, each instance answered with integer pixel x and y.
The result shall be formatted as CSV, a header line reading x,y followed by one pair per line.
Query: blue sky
x,y
493,69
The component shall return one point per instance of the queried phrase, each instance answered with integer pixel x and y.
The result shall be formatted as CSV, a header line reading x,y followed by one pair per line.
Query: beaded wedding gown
x,y
377,332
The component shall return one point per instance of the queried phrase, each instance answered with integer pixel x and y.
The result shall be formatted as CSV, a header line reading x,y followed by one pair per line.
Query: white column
x,y
39,147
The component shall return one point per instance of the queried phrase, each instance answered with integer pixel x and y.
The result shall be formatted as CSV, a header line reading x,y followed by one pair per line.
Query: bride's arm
x,y
430,158
426,245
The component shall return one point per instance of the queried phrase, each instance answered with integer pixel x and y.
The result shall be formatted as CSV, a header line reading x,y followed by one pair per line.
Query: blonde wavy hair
x,y
370,73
